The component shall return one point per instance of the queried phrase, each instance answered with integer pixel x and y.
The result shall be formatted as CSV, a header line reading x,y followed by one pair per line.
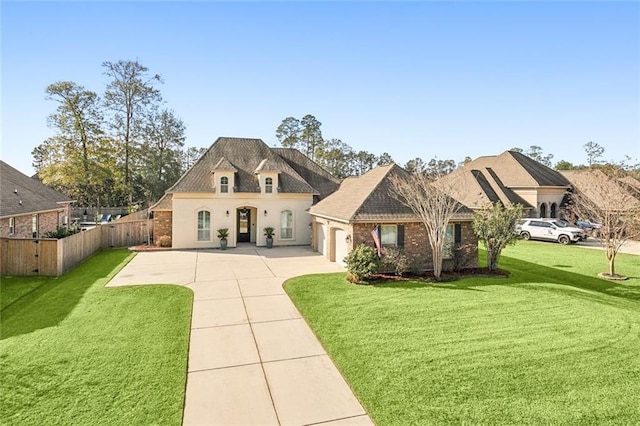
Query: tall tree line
x,y
122,148
339,158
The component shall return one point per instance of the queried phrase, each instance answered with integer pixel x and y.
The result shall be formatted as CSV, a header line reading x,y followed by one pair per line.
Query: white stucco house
x,y
245,186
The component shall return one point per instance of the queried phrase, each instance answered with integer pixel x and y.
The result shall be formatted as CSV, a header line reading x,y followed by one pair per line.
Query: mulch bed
x,y
445,276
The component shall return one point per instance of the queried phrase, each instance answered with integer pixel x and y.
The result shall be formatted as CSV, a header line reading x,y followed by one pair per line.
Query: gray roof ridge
x,y
223,162
376,186
497,185
329,175
515,154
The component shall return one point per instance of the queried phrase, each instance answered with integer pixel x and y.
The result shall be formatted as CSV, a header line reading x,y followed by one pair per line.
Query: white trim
x,y
293,224
197,228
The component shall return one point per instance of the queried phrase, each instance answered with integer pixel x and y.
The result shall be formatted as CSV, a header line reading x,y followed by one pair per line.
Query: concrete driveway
x,y
629,247
252,358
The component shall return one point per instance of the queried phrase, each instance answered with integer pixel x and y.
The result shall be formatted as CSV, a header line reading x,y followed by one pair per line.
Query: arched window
x,y
204,225
224,184
543,210
268,185
286,225
554,210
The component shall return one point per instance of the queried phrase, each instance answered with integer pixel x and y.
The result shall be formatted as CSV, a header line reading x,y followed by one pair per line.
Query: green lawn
x,y
75,352
551,344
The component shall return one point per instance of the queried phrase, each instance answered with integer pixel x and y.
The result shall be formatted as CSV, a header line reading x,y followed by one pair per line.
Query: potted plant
x,y
268,231
223,234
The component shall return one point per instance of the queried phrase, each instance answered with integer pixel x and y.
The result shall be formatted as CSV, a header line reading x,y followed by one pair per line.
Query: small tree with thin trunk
x,y
432,204
493,225
606,200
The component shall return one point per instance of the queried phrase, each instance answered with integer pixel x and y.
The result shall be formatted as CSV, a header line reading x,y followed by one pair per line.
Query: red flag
x,y
376,240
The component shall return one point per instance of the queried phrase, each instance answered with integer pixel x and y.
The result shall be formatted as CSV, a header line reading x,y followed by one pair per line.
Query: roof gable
x,y
21,194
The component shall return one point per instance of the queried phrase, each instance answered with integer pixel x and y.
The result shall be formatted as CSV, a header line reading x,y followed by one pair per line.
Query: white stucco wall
x,y
187,205
537,196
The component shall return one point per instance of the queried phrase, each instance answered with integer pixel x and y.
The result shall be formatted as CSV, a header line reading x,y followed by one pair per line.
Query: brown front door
x,y
244,229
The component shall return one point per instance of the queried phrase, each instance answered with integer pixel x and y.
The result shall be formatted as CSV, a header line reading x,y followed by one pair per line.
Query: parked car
x,y
549,230
588,226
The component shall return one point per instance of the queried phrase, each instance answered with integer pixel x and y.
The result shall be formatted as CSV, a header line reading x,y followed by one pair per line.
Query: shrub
x,y
363,262
463,256
164,241
396,259
61,232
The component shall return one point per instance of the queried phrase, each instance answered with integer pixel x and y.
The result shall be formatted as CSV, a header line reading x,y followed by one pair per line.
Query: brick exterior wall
x,y
47,222
162,224
416,244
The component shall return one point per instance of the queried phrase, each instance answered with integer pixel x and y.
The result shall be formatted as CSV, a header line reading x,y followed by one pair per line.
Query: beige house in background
x,y
245,186
28,208
512,178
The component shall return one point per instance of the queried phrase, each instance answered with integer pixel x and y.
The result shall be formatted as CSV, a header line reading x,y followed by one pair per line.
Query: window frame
x,y
449,241
382,235
12,225
292,225
224,185
34,226
204,221
268,185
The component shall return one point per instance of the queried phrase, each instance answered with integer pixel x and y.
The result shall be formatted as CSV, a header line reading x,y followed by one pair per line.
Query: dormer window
x,y
268,185
224,184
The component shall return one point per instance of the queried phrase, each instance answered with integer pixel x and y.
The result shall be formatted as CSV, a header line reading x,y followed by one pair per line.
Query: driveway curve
x,y
252,358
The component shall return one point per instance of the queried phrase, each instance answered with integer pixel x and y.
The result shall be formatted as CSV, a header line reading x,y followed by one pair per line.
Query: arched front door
x,y
244,225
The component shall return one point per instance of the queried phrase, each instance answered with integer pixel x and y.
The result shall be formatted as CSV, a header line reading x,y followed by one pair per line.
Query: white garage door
x,y
320,239
340,247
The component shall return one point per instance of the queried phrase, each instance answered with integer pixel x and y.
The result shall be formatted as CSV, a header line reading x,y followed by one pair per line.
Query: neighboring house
x,y
511,178
346,219
243,185
28,208
603,190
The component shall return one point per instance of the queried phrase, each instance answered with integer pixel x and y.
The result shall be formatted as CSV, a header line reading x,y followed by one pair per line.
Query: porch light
x,y
227,213
265,212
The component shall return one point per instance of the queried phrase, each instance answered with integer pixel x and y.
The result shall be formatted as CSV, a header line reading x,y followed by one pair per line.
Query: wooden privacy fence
x,y
51,257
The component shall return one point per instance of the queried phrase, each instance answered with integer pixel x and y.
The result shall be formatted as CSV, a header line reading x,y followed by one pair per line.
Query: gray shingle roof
x,y
245,155
164,203
311,172
224,165
35,196
369,197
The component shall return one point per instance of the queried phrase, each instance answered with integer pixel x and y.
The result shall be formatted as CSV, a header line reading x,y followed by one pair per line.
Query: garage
x,y
340,246
320,239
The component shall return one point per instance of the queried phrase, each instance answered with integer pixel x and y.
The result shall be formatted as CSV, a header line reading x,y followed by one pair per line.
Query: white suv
x,y
549,229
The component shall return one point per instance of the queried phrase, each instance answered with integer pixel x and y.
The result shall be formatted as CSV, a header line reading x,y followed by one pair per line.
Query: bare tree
x,y
433,205
606,200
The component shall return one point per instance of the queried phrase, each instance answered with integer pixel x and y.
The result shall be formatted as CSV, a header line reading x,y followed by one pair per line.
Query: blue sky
x,y
426,79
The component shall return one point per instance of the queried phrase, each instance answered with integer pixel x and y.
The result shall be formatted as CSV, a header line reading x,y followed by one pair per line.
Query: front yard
x,y
75,352
551,344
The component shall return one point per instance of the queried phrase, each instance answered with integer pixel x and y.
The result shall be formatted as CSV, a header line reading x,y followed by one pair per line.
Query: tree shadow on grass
x,y
421,285
51,303
523,272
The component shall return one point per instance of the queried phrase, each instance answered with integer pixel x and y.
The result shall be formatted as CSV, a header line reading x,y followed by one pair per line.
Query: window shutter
x,y
457,233
401,236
